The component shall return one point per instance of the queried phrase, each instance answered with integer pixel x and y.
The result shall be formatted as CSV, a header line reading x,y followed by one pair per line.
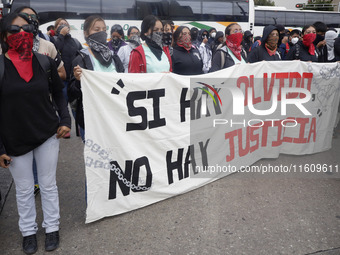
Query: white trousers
x,y
46,156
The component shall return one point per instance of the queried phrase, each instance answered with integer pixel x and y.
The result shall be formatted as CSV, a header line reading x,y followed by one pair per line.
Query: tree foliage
x,y
264,2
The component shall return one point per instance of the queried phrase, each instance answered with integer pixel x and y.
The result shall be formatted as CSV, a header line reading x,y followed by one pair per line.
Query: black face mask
x,y
97,43
319,38
194,36
116,42
60,28
167,38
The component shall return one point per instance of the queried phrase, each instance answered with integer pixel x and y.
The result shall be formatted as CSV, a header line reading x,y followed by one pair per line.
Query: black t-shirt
x,y
186,63
27,115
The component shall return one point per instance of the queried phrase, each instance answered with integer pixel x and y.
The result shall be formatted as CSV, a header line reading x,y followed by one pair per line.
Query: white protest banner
x,y
153,136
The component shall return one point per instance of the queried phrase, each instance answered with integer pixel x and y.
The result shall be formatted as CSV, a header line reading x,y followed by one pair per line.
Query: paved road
x,y
247,214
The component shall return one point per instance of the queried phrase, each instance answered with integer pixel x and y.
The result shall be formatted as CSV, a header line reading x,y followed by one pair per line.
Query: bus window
x,y
184,10
119,9
159,8
273,18
40,5
332,20
260,18
82,6
295,19
311,18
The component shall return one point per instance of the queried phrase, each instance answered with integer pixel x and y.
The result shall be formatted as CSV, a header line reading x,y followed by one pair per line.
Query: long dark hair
x,y
5,23
177,34
148,22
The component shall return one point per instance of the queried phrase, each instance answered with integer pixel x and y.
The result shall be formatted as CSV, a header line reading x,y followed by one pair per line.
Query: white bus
x,y
291,19
192,13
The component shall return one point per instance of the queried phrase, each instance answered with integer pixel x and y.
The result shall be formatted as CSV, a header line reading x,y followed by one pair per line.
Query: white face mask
x,y
213,35
295,40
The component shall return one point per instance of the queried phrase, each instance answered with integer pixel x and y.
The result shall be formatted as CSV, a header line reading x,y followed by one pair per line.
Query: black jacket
x,y
68,48
74,93
186,63
300,51
228,60
260,53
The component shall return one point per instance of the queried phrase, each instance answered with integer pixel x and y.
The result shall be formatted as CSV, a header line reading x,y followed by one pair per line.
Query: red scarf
x,y
20,53
270,52
233,42
185,42
308,40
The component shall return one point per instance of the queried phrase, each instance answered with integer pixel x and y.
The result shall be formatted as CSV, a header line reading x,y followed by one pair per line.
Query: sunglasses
x,y
30,16
13,29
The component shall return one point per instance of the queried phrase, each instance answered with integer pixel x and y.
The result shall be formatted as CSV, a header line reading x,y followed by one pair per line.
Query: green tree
x,y
264,2
319,5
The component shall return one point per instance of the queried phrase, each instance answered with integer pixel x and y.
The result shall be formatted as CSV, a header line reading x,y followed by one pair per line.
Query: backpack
x,y
45,65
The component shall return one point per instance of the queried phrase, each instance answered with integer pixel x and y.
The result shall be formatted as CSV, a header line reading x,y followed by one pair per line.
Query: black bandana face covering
x,y
167,38
98,44
154,42
157,37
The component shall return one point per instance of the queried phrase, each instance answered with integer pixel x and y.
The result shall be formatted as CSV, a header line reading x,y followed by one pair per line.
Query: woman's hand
x,y
5,160
77,72
62,131
65,30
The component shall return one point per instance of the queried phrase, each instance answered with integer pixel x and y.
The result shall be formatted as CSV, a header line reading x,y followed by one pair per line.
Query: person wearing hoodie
x,y
117,40
212,35
232,51
268,49
293,38
218,42
247,41
151,56
186,59
320,42
304,50
205,50
132,42
330,37
97,57
194,37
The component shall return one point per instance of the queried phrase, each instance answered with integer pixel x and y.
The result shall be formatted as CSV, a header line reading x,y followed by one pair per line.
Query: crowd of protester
x,y
157,46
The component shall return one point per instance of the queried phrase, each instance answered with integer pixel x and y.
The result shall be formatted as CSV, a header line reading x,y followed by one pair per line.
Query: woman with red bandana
x,y
30,127
186,60
268,50
304,50
232,52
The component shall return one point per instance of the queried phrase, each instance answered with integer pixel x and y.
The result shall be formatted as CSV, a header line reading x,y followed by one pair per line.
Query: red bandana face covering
x,y
185,42
233,42
308,40
20,53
